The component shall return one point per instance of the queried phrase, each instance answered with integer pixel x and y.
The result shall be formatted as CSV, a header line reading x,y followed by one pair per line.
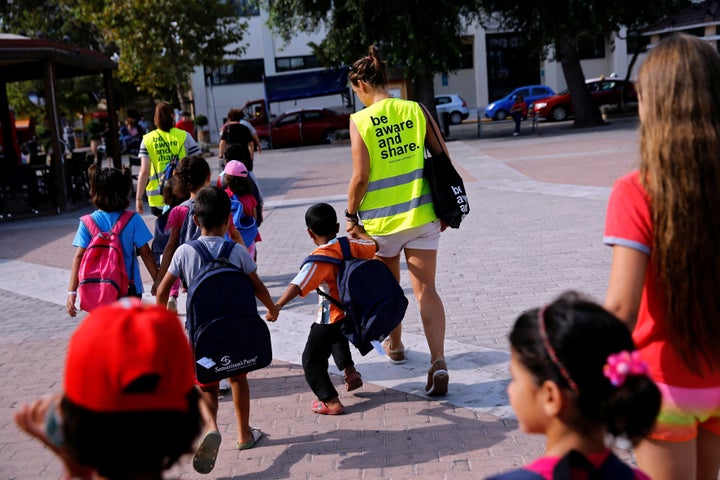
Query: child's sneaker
x,y
396,357
438,378
172,303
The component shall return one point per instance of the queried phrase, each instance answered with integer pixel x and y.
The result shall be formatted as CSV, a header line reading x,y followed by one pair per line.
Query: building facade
x,y
494,64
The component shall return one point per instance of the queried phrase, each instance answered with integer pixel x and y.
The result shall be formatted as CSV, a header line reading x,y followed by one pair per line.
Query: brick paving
x,y
535,229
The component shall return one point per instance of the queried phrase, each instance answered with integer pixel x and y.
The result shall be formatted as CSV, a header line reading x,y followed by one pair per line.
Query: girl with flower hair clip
x,y
576,378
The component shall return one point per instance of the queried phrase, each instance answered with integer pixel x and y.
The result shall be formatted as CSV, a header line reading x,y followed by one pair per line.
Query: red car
x,y
605,91
302,127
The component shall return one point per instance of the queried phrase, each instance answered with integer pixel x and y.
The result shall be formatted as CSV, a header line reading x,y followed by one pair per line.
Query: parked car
x,y
454,105
500,109
604,91
302,127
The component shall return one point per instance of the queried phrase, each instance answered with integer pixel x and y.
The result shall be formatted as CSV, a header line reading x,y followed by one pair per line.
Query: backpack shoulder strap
x,y
90,224
122,221
201,250
345,247
615,468
226,249
322,258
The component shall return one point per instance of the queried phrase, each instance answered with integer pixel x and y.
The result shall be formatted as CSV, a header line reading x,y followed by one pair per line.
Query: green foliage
x,y
549,23
201,120
95,129
419,38
159,43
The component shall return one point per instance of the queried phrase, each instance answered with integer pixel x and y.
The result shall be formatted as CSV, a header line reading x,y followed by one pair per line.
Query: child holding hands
x,y
212,208
326,337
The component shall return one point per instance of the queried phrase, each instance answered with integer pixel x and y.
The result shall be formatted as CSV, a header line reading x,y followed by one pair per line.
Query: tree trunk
x,y
587,114
422,89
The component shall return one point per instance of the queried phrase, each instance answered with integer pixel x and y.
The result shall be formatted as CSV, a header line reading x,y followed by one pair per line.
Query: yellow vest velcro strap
x,y
395,181
396,209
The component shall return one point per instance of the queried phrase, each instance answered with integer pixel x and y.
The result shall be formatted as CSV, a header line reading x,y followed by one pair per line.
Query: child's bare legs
x,y
241,401
209,395
207,450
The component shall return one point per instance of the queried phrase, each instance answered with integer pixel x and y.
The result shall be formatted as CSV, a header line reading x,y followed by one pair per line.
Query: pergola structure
x,y
24,58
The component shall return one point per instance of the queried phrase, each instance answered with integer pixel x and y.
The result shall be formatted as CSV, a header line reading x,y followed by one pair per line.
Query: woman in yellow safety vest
x,y
158,149
389,199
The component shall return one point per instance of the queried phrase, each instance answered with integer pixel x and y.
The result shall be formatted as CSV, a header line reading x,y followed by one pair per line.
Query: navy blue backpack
x,y
373,301
575,466
227,334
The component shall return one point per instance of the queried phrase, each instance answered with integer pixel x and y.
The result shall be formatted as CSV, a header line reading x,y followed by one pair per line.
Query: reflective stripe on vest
x,y
397,197
161,147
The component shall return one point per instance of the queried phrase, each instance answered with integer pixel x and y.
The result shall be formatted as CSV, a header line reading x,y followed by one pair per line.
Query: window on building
x,y
637,43
466,54
240,71
591,47
287,64
245,8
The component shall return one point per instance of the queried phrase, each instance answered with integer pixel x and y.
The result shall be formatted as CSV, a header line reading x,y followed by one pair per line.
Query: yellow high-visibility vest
x,y
397,197
161,147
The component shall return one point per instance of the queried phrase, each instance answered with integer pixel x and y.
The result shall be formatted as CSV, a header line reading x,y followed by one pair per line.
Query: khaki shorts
x,y
424,237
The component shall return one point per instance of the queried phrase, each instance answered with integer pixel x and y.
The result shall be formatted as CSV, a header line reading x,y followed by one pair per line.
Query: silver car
x,y
454,105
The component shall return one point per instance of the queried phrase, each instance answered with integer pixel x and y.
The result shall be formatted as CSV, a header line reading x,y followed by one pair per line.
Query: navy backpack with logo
x,y
227,334
373,301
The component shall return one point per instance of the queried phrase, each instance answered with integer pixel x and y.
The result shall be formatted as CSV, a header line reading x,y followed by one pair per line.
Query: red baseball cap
x,y
128,356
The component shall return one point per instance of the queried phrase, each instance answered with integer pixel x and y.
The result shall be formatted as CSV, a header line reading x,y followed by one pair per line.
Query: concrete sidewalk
x,y
535,229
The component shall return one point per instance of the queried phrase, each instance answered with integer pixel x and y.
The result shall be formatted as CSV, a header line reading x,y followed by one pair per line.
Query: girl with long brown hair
x,y
664,229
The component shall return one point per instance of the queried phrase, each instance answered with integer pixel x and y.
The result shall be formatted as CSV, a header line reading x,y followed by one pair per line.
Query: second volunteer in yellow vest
x,y
389,199
157,150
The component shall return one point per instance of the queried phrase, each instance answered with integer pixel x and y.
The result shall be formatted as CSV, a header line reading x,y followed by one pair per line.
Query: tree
x,y
559,25
159,43
416,38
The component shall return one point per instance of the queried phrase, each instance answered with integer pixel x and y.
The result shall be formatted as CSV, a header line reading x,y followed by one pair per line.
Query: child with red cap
x,y
129,366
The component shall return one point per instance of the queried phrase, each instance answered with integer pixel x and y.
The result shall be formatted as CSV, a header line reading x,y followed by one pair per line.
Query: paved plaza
x,y
535,230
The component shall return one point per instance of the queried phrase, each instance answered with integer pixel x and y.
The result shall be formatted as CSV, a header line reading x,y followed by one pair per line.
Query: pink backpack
x,y
102,274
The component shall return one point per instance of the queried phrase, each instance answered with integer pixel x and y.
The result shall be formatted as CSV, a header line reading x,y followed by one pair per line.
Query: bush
x,y
94,129
201,120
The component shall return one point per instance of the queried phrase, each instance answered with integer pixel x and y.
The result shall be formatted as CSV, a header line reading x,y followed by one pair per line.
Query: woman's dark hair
x,y
175,191
583,335
235,115
193,172
369,69
110,188
212,207
321,219
164,116
118,445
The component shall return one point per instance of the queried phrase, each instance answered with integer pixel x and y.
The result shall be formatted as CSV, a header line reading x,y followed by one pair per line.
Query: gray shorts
x,y
424,237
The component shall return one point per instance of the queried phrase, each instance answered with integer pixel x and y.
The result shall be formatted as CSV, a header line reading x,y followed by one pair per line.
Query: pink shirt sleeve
x,y
176,218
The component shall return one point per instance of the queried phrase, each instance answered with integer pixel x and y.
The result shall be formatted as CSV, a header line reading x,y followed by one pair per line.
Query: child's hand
x,y
32,417
70,304
272,313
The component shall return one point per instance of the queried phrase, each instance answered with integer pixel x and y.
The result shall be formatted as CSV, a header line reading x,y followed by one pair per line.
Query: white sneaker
x,y
224,385
172,304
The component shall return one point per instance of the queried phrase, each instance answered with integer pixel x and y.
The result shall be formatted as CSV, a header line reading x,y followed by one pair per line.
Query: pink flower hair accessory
x,y
621,365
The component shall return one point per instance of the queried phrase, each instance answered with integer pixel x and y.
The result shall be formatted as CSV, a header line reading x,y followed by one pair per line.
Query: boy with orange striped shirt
x,y
326,337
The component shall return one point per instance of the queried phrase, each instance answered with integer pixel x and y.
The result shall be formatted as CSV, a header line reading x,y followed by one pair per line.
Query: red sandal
x,y
321,408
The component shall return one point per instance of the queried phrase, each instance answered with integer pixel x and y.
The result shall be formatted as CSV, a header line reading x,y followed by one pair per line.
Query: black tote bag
x,y
448,190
